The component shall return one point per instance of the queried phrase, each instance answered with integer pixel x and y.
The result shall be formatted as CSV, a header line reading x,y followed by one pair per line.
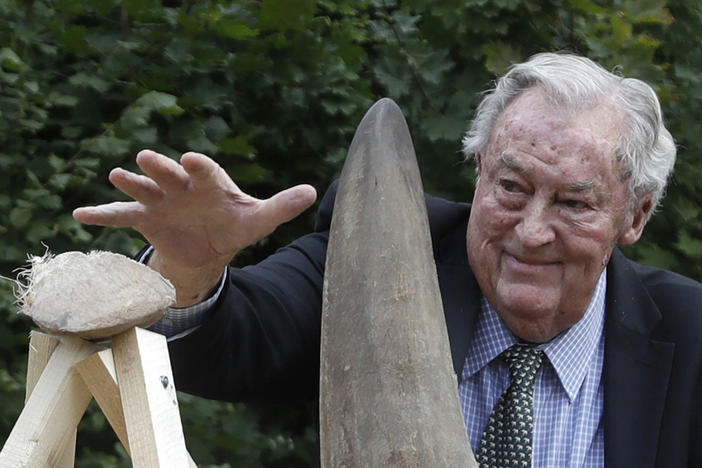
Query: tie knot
x,y
523,361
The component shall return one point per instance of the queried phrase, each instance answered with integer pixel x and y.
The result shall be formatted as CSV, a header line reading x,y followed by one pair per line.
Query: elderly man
x,y
549,325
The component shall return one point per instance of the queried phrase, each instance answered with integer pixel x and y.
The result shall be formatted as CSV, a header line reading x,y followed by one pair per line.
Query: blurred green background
x,y
273,90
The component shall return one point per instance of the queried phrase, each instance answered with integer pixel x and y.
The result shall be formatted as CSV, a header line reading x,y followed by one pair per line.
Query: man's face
x,y
549,207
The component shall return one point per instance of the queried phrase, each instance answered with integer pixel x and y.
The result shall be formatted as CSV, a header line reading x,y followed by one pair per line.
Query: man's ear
x,y
636,221
478,163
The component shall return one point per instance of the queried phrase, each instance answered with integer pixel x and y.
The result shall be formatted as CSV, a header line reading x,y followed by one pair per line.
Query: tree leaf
x,y
284,14
62,100
500,56
89,81
20,216
238,145
163,103
588,6
106,145
10,61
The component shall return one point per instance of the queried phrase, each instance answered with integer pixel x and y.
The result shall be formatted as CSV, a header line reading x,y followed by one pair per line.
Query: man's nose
x,y
535,227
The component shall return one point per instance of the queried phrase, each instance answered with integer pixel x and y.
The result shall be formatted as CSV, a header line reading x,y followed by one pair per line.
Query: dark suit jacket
x,y
262,339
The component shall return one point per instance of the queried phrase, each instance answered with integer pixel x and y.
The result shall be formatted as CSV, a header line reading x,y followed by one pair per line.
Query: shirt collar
x,y
569,353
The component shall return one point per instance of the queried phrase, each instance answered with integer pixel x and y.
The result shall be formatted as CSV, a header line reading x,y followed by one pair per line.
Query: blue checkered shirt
x,y
568,393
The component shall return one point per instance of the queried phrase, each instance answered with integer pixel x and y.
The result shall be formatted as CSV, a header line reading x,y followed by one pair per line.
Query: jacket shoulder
x,y
678,298
666,286
447,219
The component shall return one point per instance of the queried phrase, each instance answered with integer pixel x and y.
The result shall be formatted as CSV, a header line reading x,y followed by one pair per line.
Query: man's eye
x,y
509,186
576,204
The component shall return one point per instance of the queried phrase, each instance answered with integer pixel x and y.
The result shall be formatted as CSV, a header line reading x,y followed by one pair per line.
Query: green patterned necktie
x,y
506,442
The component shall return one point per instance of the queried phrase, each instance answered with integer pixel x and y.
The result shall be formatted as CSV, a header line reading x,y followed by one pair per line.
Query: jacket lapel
x,y
636,370
460,292
461,298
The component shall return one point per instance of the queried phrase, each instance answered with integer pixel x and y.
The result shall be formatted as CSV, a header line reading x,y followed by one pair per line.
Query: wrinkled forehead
x,y
532,118
534,137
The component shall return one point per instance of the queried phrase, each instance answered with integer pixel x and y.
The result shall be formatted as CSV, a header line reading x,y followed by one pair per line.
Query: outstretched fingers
x,y
165,172
205,173
139,187
116,214
193,202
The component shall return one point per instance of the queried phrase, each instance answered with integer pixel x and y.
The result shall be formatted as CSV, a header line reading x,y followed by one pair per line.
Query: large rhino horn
x,y
388,392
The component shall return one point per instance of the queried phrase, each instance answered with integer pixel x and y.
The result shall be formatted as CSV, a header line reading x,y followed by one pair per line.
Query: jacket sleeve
x,y
261,339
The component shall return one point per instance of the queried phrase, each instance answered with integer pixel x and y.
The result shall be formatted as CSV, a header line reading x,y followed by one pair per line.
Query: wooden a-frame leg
x,y
52,412
149,400
99,373
41,347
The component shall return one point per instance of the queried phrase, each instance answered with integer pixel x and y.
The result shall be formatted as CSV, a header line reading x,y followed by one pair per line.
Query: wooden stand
x,y
132,383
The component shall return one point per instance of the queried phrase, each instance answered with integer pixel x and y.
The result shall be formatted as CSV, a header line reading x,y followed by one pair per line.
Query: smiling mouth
x,y
529,264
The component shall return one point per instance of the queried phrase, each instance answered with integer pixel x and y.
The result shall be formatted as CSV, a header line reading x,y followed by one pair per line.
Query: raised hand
x,y
194,215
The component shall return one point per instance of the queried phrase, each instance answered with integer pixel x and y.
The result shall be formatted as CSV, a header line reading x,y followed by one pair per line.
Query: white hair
x,y
646,149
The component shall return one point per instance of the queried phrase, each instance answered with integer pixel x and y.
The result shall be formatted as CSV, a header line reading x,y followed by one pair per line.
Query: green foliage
x,y
273,90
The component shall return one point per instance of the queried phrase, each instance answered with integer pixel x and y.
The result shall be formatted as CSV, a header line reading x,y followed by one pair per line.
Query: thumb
x,y
286,205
